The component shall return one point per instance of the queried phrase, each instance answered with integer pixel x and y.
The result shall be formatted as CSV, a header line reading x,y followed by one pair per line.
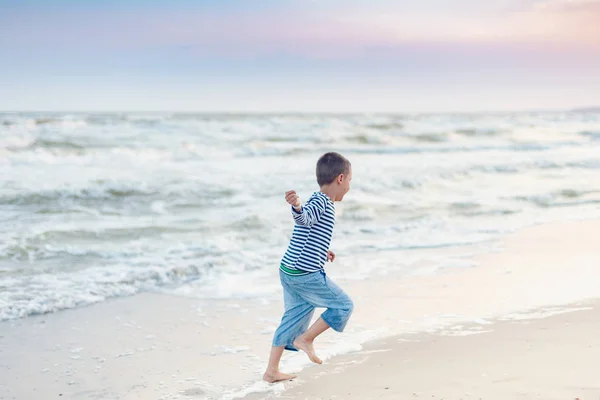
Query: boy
x,y
302,274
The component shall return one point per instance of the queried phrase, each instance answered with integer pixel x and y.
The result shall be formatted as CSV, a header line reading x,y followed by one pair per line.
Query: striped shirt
x,y
307,251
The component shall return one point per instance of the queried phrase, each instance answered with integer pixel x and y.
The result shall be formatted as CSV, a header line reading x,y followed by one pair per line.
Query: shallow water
x,y
94,206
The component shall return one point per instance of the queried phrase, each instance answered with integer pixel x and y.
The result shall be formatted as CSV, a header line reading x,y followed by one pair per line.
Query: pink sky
x,y
527,53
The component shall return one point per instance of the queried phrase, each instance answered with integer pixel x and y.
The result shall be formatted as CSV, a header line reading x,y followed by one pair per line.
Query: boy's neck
x,y
328,190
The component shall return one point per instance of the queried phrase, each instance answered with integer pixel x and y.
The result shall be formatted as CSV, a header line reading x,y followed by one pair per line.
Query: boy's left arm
x,y
330,255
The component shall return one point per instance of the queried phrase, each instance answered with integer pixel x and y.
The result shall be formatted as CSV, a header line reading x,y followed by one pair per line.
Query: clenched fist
x,y
292,198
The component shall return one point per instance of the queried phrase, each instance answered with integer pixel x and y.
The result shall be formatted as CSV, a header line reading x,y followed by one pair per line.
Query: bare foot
x,y
307,347
276,376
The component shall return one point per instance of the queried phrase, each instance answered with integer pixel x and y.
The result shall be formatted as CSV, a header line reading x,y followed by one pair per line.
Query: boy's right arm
x,y
306,215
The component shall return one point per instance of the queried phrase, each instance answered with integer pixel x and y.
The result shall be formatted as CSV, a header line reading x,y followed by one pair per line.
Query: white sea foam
x,y
542,313
100,205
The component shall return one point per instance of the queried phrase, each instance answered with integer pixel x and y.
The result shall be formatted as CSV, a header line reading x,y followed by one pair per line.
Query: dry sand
x,y
150,346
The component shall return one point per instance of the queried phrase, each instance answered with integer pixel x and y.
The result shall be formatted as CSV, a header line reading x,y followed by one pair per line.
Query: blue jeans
x,y
301,295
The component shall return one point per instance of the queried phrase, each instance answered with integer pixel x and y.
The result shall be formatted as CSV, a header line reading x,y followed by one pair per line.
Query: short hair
x,y
330,166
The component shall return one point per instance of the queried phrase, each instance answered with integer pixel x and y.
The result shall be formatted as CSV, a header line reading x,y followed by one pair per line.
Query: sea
x,y
95,206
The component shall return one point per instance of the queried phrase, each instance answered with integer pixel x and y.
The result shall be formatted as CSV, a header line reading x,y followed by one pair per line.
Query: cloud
x,y
568,6
575,22
385,28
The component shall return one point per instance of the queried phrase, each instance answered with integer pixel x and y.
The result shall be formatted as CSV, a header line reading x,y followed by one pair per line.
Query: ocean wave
x,y
180,194
571,193
53,244
55,144
45,293
464,205
555,199
90,193
428,137
594,135
118,240
60,122
88,119
87,279
44,121
581,164
362,139
347,148
37,252
498,169
492,212
364,212
294,144
38,123
475,209
12,143
479,132
585,164
248,223
450,149
105,119
116,206
385,126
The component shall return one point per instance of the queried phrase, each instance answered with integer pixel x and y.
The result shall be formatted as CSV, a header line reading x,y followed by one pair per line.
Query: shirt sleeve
x,y
311,212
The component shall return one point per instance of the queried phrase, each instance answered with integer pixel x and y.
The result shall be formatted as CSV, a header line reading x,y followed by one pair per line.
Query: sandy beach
x,y
550,358
519,323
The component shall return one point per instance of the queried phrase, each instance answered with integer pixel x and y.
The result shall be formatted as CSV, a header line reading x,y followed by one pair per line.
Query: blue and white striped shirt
x,y
307,251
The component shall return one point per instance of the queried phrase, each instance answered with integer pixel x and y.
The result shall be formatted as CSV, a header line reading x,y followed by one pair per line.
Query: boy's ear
x,y
340,178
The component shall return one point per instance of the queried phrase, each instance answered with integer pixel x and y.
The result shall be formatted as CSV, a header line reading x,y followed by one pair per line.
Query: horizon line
x,y
290,112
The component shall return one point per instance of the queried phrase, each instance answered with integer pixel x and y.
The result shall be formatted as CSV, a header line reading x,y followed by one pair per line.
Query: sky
x,y
299,56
